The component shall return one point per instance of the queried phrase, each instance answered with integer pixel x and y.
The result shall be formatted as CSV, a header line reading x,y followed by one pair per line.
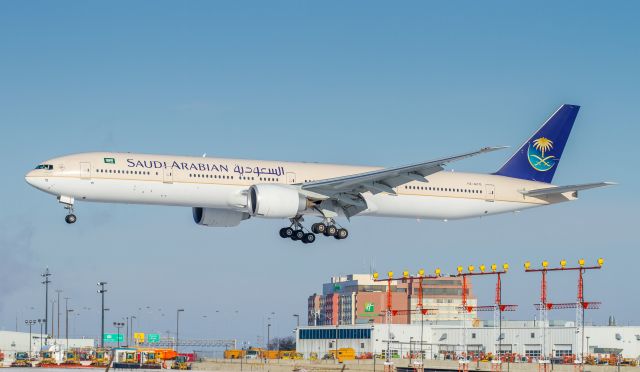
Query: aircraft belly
x,y
433,207
153,192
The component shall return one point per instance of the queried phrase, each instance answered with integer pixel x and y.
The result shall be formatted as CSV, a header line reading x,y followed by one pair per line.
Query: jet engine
x,y
275,201
214,217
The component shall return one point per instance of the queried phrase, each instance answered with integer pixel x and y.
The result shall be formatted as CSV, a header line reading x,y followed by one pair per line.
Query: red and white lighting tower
x,y
498,307
390,312
580,305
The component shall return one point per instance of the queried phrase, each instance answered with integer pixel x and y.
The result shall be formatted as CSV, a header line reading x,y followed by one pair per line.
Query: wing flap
x,y
562,189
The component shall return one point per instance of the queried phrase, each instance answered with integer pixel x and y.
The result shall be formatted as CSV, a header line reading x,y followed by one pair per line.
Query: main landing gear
x,y
298,232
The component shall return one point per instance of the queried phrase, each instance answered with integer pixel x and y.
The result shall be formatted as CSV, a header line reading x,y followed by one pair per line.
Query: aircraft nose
x,y
29,178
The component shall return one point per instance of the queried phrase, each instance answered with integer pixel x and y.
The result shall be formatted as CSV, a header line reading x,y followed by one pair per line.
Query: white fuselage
x,y
223,183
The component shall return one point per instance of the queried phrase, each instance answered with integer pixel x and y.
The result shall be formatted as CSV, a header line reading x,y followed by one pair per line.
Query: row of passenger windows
x,y
430,188
124,171
220,176
343,333
226,177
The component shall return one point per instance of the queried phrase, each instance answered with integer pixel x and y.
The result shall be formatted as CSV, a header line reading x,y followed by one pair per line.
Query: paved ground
x,y
368,365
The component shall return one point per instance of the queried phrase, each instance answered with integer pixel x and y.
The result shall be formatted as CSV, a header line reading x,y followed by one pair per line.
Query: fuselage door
x,y
490,193
167,175
291,178
85,170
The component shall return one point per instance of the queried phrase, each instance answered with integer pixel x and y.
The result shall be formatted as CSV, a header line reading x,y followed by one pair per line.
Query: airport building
x,y
12,342
523,339
359,299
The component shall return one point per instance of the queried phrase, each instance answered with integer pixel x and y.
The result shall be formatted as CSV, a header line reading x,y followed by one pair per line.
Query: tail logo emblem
x,y
538,157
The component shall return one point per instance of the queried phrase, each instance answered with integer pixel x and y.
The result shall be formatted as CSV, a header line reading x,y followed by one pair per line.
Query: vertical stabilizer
x,y
538,158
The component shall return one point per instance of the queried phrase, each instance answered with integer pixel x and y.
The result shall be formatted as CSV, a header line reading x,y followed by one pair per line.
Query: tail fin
x,y
539,156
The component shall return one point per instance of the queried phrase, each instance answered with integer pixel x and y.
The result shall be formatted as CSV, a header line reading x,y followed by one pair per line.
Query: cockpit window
x,y
45,166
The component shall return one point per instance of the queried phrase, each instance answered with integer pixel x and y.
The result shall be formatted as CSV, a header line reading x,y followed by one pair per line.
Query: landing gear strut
x,y
297,232
328,228
68,205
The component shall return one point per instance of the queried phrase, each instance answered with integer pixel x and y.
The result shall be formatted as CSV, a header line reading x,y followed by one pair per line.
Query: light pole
x,y
132,317
30,323
297,316
41,322
127,331
66,324
58,291
118,325
46,282
178,327
102,292
268,335
53,318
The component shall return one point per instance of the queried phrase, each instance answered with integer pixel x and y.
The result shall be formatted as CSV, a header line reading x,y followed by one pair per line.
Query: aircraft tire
x,y
70,218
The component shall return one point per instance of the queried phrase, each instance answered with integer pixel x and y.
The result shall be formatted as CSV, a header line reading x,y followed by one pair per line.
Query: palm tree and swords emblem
x,y
538,158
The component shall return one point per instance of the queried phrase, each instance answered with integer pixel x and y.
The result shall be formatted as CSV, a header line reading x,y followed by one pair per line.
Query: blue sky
x,y
353,82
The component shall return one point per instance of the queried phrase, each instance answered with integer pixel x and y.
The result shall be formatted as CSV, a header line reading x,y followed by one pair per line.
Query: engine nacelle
x,y
214,217
275,201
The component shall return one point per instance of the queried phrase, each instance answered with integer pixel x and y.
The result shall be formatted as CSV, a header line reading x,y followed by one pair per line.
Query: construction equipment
x,y
100,358
234,354
22,360
181,363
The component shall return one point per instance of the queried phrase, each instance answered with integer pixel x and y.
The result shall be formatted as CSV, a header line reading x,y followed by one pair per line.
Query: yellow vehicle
x,y
181,363
234,354
149,358
101,358
71,358
289,355
47,359
345,353
22,360
313,356
270,354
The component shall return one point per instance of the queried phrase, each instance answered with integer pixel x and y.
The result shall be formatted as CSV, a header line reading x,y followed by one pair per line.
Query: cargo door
x,y
291,178
490,193
167,175
85,170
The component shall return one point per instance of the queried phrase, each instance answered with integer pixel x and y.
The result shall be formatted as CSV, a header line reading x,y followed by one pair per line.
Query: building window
x,y
533,335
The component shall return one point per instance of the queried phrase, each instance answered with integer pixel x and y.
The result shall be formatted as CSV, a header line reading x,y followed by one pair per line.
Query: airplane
x,y
224,192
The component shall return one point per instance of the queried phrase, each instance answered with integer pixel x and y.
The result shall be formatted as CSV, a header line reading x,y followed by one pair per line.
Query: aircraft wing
x,y
562,189
347,189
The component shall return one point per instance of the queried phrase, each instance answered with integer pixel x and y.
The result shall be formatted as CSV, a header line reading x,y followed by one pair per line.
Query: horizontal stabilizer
x,y
562,189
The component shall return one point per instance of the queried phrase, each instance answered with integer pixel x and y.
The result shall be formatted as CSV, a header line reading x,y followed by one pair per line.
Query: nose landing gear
x,y
67,202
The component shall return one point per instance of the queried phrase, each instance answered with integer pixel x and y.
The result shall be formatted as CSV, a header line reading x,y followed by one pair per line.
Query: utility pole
x,y
46,282
102,292
178,327
58,291
66,323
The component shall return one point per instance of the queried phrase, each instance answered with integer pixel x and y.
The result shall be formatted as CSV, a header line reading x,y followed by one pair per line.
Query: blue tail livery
x,y
539,156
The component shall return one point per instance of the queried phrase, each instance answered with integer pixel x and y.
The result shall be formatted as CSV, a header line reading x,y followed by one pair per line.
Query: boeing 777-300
x,y
224,192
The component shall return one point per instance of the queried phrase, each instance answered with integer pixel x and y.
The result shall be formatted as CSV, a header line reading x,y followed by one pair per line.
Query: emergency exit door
x,y
490,193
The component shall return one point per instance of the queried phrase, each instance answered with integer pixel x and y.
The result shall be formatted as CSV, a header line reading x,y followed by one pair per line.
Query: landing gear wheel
x,y
70,218
330,231
308,238
286,232
318,228
341,234
298,235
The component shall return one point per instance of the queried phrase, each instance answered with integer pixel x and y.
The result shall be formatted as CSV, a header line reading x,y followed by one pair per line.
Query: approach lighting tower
x,y
498,307
580,305
421,277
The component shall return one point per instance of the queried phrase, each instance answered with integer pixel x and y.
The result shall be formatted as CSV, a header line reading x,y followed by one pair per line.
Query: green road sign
x,y
369,307
113,337
153,338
